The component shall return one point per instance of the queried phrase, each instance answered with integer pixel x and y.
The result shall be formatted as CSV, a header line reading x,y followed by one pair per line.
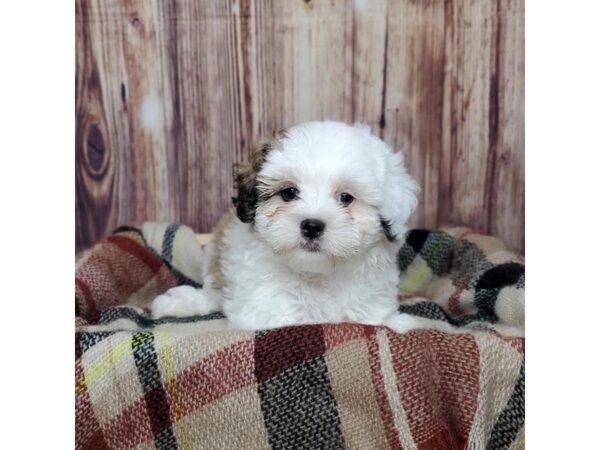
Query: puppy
x,y
319,219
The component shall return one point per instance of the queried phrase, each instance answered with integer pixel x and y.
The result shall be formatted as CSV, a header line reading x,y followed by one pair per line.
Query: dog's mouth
x,y
310,246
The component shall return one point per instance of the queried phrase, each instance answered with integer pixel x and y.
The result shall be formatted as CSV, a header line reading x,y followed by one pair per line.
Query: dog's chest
x,y
344,298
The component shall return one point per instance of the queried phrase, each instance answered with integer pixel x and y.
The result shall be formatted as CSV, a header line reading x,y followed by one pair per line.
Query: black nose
x,y
312,228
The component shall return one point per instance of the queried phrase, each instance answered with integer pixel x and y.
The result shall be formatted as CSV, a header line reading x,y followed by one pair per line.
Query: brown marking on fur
x,y
246,178
215,269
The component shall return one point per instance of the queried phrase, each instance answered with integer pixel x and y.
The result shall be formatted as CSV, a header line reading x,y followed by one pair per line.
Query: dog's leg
x,y
402,323
184,301
264,309
263,323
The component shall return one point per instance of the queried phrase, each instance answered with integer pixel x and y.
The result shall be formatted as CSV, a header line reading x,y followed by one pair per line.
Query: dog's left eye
x,y
289,194
346,198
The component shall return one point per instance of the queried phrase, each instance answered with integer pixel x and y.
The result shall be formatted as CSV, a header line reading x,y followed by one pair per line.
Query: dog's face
x,y
320,193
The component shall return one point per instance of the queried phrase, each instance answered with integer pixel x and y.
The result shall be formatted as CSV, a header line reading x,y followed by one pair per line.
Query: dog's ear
x,y
399,197
246,179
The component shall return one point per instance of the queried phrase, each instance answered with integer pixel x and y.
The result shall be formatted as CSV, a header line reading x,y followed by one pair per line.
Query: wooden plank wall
x,y
169,94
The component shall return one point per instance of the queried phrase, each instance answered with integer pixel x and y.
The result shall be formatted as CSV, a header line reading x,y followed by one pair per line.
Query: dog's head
x,y
322,192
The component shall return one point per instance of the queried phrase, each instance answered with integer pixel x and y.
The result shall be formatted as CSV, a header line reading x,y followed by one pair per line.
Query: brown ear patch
x,y
245,180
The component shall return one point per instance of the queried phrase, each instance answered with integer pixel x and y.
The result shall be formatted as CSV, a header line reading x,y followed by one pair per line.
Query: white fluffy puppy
x,y
321,212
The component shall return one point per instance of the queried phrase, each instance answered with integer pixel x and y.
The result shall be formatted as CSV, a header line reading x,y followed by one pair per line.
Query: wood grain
x,y
170,94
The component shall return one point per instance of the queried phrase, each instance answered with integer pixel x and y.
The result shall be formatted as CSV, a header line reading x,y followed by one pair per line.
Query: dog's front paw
x,y
401,322
182,301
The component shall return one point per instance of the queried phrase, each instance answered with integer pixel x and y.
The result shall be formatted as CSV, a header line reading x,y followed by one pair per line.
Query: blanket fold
x,y
193,383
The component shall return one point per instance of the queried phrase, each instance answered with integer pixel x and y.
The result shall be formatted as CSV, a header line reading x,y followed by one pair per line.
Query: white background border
x,y
37,44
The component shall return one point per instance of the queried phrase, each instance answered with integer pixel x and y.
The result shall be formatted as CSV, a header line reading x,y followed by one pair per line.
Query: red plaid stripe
x,y
438,378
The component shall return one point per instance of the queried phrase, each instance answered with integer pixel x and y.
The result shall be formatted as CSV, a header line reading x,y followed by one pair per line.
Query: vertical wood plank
x,y
150,111
414,95
298,72
470,125
366,40
506,190
104,194
205,133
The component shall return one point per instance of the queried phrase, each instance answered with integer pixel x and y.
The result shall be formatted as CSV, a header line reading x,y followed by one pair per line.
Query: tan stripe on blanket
x,y
350,377
500,365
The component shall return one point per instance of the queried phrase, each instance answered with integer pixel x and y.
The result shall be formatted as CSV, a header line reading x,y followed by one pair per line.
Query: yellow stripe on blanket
x,y
99,368
171,382
422,269
416,276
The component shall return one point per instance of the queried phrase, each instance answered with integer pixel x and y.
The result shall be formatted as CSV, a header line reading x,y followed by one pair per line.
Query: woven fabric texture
x,y
193,383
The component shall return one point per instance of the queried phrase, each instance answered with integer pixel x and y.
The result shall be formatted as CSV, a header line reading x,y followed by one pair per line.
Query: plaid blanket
x,y
193,383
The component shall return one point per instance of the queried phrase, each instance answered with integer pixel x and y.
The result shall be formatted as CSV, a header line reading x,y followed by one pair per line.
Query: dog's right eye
x,y
289,194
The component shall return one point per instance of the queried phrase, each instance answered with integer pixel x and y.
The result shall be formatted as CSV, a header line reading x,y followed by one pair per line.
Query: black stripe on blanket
x,y
88,339
182,279
167,244
433,311
427,310
412,246
127,229
157,404
502,275
167,254
466,262
416,239
297,402
437,251
434,246
108,315
489,285
512,418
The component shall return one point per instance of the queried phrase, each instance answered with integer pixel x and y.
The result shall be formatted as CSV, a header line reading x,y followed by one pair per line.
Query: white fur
x,y
270,279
